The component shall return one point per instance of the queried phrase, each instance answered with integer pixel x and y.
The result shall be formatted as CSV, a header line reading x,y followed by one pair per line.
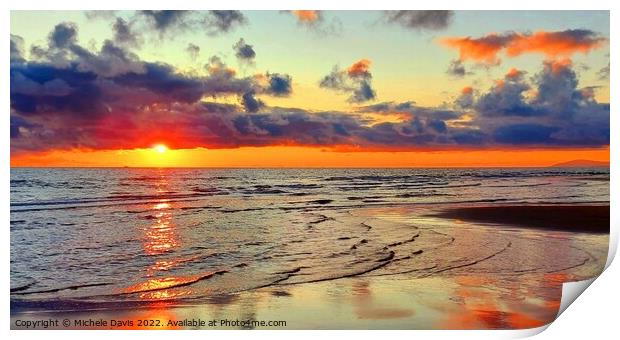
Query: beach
x,y
579,218
313,260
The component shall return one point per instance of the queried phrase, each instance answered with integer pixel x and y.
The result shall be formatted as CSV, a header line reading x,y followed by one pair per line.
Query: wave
x,y
169,282
55,290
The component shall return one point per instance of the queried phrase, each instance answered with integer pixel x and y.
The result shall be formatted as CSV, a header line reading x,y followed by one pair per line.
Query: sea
x,y
100,238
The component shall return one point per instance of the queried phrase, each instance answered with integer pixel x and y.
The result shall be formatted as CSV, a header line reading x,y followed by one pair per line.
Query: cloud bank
x,y
67,96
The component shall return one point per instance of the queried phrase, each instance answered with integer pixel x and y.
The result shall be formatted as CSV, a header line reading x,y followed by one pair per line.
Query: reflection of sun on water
x,y
161,236
161,206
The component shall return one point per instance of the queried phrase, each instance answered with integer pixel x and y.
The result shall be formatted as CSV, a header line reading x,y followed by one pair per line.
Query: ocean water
x,y
103,238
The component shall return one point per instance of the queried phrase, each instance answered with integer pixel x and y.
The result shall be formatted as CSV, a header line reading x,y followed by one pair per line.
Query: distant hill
x,y
581,163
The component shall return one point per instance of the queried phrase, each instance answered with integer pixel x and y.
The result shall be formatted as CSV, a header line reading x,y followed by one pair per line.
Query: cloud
x,y
100,14
244,52
193,51
223,21
308,16
18,125
280,85
551,44
457,69
420,20
250,103
412,111
603,73
17,49
168,23
466,99
526,133
63,35
315,21
387,107
506,97
555,112
68,96
555,44
124,34
355,81
360,69
166,20
68,79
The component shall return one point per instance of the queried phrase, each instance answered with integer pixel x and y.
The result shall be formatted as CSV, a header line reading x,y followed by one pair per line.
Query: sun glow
x,y
161,148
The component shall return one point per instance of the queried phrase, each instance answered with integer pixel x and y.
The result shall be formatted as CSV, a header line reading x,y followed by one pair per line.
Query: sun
x,y
161,148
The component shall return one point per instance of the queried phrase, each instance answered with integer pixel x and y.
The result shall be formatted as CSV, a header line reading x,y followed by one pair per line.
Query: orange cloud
x,y
483,49
307,16
552,44
513,73
360,68
467,90
558,66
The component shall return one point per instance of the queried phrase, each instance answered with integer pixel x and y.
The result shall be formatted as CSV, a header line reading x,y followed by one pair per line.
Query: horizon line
x,y
607,165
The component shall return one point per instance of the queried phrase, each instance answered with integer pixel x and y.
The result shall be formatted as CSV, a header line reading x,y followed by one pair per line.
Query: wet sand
x,y
460,296
577,218
386,302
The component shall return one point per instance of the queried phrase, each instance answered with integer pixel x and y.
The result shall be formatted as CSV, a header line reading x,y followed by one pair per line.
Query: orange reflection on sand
x,y
154,318
484,308
366,308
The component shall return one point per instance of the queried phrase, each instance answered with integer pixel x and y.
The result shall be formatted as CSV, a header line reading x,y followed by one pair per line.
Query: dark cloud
x,y
45,89
111,60
162,80
193,51
506,98
219,107
355,81
466,99
557,93
457,69
412,110
524,133
438,125
244,52
388,107
17,125
223,21
250,103
69,85
17,49
603,73
556,112
363,93
279,84
168,23
63,35
124,34
420,20
166,20
73,97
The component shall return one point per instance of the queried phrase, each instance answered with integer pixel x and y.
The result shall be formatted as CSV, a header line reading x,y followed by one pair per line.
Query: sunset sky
x,y
309,88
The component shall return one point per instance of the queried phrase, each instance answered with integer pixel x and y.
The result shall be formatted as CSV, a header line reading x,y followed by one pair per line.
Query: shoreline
x,y
561,217
453,298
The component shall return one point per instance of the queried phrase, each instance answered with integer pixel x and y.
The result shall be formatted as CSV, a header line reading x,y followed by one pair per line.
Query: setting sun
x,y
160,148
